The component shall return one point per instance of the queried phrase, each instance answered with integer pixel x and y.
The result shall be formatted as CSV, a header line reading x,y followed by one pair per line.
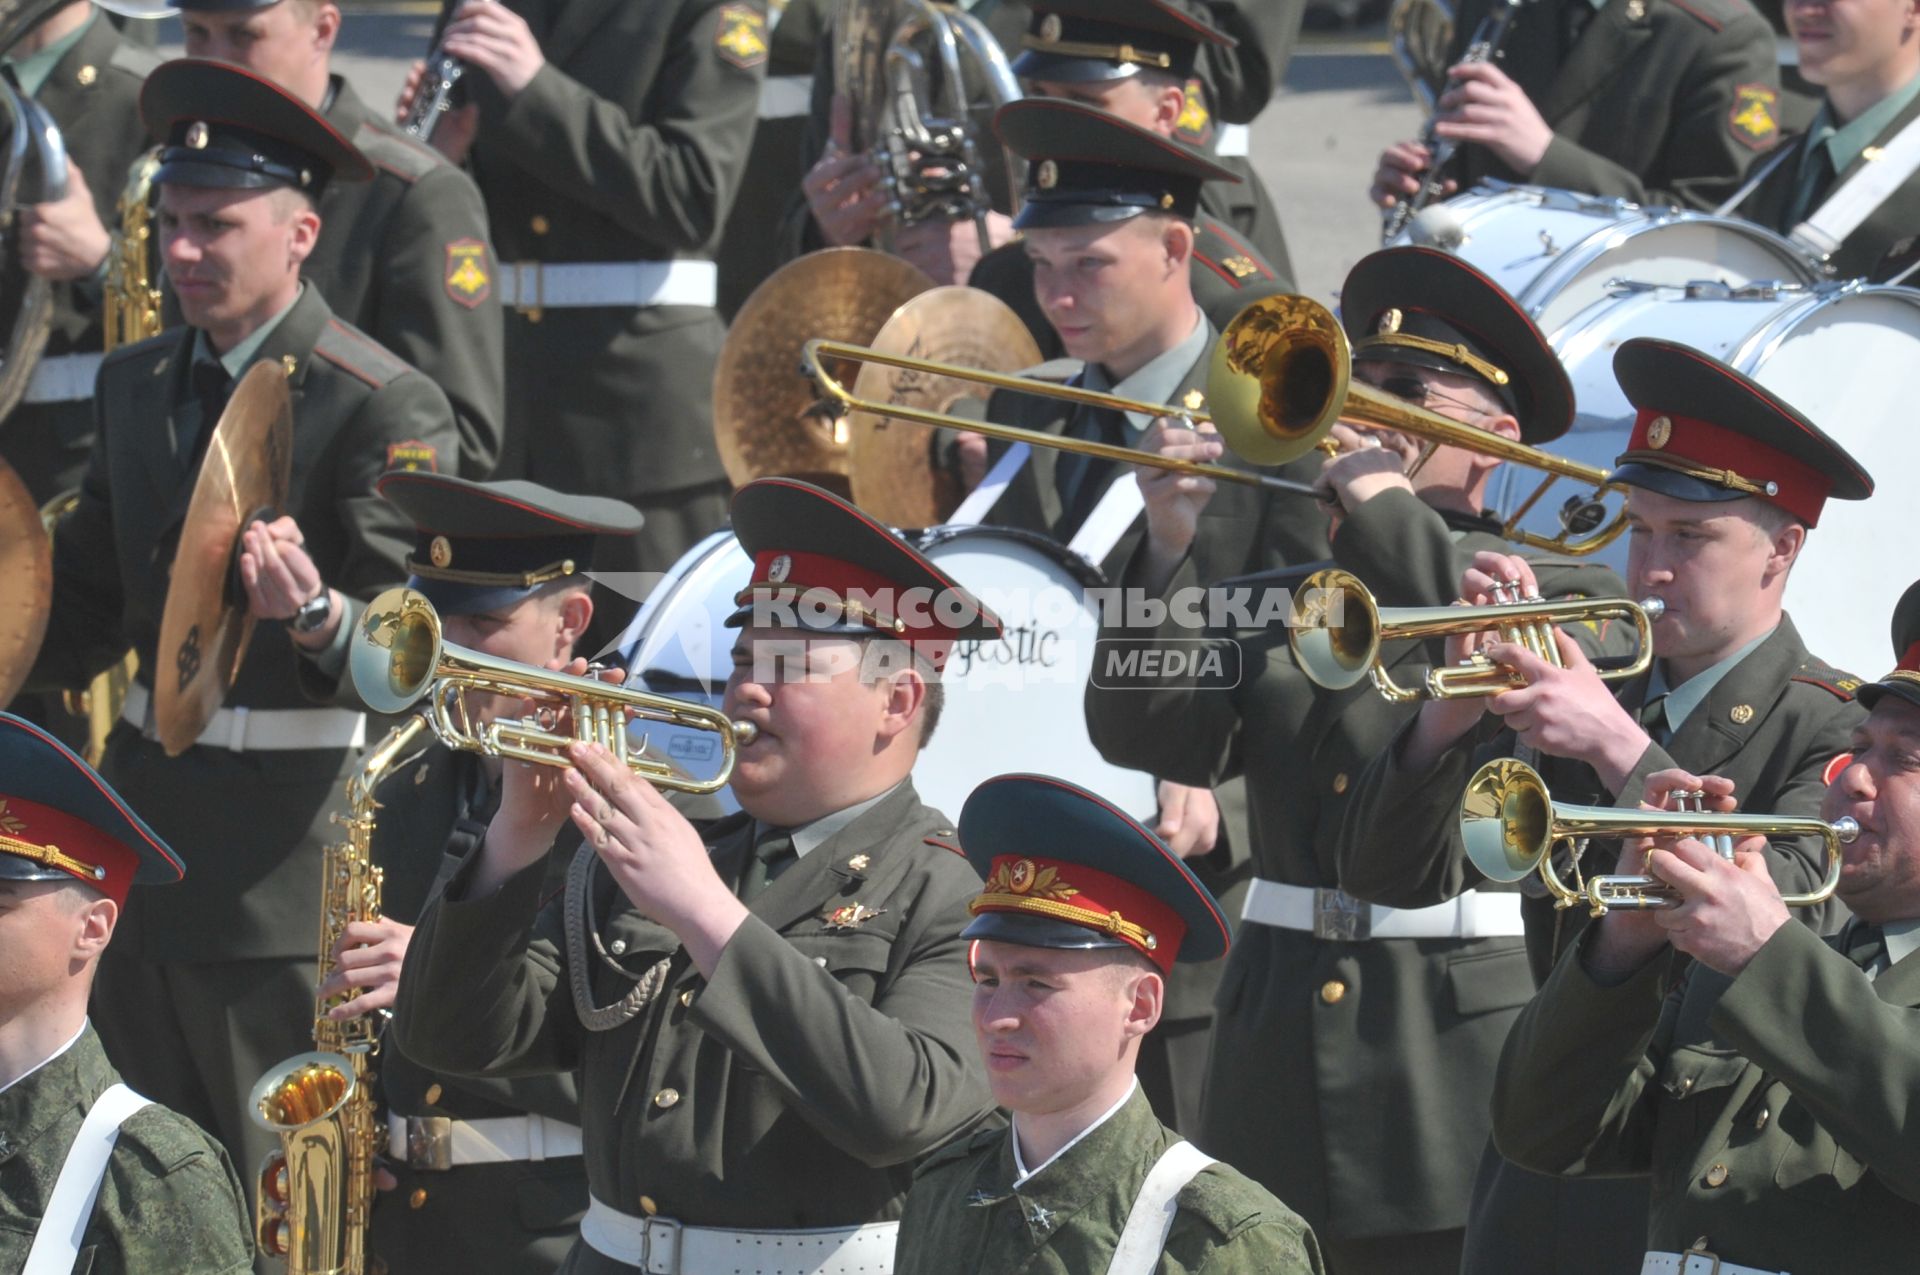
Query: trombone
x,y
1510,825
1338,629
398,656
1280,377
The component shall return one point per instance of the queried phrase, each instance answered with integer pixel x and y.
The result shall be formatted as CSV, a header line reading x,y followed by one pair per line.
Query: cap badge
x,y
197,135
1389,322
1025,877
1047,175
1166,200
1050,28
12,825
440,552
779,569
1741,714
852,916
1659,430
1194,400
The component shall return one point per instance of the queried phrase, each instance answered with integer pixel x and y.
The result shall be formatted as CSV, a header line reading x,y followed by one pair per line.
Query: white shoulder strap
x,y
1841,213
1758,174
1118,506
1145,1236
982,498
56,1246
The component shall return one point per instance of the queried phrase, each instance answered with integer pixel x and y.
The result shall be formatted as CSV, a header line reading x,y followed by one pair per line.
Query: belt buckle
x,y
430,1142
667,1229
1339,917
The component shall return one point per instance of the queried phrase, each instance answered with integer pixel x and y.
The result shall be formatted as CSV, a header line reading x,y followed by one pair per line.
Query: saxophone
x,y
132,303
313,1196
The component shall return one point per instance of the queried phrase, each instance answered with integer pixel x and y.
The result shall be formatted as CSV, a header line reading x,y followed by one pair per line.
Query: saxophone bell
x,y
297,1192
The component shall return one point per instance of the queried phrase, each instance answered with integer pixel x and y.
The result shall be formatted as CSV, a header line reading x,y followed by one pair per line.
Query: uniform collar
x,y
236,360
1846,142
1683,699
1158,381
65,1084
1023,1175
33,70
1082,1173
49,1058
1903,939
809,836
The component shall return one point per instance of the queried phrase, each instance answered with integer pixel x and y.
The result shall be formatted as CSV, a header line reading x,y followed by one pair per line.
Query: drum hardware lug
x,y
1711,290
1547,247
1628,287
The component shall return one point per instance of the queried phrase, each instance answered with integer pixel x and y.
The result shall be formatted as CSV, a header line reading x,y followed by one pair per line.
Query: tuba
x,y
33,171
911,69
314,1196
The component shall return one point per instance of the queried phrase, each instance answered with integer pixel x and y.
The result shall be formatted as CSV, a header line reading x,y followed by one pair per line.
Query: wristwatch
x,y
312,613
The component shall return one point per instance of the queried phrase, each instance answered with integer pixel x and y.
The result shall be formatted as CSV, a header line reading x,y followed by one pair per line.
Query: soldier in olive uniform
x,y
1697,80
213,984
1768,1094
489,1171
1132,59
1083,916
1866,59
768,1022
1723,482
406,256
609,138
1319,985
88,78
93,1177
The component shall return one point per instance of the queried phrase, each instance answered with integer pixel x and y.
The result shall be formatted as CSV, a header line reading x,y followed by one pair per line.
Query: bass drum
x,y
1011,705
1557,252
1834,352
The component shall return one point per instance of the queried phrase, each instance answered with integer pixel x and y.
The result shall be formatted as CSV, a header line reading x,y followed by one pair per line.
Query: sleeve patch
x,y
1840,762
413,456
467,281
742,36
1195,125
1754,117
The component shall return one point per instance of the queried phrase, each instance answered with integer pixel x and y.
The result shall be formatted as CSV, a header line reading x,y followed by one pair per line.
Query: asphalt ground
x,y
1342,102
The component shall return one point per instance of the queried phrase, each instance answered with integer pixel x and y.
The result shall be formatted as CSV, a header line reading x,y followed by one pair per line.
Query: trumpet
x,y
1336,654
398,656
1510,825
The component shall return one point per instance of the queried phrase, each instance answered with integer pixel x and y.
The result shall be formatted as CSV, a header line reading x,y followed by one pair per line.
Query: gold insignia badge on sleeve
x,y
413,455
1754,117
850,917
468,282
742,36
1195,124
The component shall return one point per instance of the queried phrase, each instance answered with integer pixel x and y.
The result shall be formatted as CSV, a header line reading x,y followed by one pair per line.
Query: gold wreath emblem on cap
x,y
198,135
440,552
1020,876
778,569
1050,28
1047,176
1390,321
1659,430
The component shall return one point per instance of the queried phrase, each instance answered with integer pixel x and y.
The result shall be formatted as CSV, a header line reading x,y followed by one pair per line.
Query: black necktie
x,y
1653,719
212,387
1866,946
772,854
1080,480
1823,175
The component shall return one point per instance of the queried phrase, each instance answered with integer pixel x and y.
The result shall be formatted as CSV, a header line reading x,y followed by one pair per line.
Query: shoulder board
x,y
358,354
402,156
1711,14
1831,680
165,345
136,60
1060,370
944,839
960,1149
1220,250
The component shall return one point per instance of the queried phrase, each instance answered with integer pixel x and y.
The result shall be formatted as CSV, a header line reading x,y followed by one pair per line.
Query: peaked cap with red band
x,y
1430,309
1089,168
1704,432
1066,869
1904,681
822,565
59,820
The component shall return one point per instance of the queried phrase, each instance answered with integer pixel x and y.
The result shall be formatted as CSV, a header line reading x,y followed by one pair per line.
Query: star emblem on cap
x,y
197,135
1389,321
779,569
1047,176
1659,430
1050,28
440,552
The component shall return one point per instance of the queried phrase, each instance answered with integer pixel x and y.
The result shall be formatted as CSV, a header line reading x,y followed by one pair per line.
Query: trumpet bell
x,y
1505,820
1335,655
394,662
1278,377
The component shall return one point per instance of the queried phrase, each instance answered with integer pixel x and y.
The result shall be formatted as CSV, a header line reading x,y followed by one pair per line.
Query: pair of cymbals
x,y
26,582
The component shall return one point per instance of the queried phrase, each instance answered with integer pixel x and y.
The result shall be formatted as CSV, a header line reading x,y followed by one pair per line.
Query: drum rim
x,y
1087,575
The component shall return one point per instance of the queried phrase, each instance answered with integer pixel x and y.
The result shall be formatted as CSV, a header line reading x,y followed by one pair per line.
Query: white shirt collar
x,y
1013,1131
809,836
1157,381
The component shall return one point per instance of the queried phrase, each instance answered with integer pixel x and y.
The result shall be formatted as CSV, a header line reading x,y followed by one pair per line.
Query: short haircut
x,y
936,700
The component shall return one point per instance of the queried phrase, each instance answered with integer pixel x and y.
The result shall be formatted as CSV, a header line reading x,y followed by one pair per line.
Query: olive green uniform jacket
x,y
406,258
628,145
1772,1110
1883,244
93,94
966,1214
1350,1078
169,1201
794,1089
1659,101
1773,725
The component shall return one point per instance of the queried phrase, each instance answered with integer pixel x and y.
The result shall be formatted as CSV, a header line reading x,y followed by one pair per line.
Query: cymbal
x,y
206,624
26,567
894,477
767,413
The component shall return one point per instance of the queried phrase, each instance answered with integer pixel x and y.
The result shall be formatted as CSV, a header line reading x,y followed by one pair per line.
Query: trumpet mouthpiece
x,y
1846,828
744,733
1654,607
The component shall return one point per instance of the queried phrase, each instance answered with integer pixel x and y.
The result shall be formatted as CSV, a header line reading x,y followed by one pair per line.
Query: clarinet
x,y
1487,39
438,85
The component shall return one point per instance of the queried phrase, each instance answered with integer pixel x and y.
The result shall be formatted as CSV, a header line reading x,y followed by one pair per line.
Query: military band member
x,y
1866,60
405,256
93,1176
609,138
1319,985
1083,916
1698,80
213,984
1766,1094
1134,60
76,66
768,1022
488,1173
1724,483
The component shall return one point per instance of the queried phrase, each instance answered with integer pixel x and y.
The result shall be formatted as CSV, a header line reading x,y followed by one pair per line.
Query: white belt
x,y
64,379
253,730
1698,1263
782,97
1235,139
1335,914
529,285
436,1142
661,1246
